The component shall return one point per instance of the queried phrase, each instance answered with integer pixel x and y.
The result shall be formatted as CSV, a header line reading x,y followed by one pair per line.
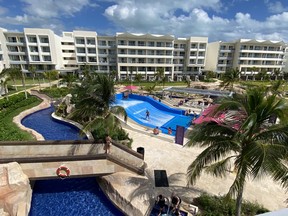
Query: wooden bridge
x,y
40,159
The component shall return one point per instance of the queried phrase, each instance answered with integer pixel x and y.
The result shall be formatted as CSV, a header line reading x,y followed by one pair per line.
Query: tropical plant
x,y
69,79
210,75
138,78
160,76
93,104
188,82
277,72
86,71
51,75
230,76
114,75
263,75
3,83
150,89
246,139
32,70
220,205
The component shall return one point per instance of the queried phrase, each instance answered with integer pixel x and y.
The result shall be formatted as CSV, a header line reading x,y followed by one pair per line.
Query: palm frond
x,y
220,168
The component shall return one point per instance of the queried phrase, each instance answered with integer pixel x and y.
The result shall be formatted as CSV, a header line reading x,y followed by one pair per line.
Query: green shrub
x,y
222,206
56,92
14,99
119,134
8,130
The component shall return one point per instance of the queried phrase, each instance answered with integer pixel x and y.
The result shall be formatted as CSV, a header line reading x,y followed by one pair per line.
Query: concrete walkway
x,y
175,159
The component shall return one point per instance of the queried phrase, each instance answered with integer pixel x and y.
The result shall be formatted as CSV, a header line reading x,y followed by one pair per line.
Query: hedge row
x,y
8,130
14,99
221,206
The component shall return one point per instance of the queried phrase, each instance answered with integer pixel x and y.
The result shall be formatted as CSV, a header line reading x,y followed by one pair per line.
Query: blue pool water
x,y
81,196
50,128
161,115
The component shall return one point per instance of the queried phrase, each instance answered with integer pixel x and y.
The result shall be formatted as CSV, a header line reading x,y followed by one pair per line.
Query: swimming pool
x,y
51,129
79,196
161,115
70,197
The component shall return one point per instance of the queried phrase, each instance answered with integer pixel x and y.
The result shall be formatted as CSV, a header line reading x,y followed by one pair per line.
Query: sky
x,y
219,20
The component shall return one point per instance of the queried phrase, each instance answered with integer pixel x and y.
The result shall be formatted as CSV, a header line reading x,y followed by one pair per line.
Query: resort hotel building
x,y
130,54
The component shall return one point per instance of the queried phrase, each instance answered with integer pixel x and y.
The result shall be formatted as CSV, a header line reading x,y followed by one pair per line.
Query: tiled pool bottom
x,y
79,197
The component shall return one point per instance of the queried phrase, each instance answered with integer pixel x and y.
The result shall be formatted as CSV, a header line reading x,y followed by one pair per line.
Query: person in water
x,y
147,115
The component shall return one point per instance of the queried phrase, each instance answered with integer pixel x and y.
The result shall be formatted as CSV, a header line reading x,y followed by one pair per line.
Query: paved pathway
x,y
175,159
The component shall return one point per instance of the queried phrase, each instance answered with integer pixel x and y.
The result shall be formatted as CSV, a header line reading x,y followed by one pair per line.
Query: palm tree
x,y
230,76
3,83
138,78
69,79
114,75
160,76
150,89
277,72
51,75
245,139
32,70
14,74
93,102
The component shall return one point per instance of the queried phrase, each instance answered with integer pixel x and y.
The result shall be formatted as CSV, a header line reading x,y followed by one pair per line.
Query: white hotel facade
x,y
140,53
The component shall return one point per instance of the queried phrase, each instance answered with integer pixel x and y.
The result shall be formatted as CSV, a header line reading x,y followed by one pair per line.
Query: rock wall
x,y
15,190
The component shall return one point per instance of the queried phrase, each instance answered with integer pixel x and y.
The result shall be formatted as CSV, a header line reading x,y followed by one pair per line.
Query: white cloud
x,y
55,8
182,18
275,7
3,10
147,17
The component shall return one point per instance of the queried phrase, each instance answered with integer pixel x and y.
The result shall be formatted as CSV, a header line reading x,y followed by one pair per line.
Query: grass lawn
x,y
28,81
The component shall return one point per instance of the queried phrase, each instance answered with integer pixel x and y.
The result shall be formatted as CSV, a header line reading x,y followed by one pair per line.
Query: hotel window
x,y
12,39
46,58
44,39
35,58
22,39
33,48
159,44
45,49
131,43
202,46
80,50
182,46
93,50
81,59
111,43
90,41
32,39
194,46
102,43
12,48
151,43
14,58
121,42
92,59
169,44
141,43
80,41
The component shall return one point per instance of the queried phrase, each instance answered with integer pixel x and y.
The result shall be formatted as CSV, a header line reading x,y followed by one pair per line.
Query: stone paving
x,y
175,159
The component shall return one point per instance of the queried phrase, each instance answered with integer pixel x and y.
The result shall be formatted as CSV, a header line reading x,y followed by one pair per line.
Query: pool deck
x,y
175,159
162,154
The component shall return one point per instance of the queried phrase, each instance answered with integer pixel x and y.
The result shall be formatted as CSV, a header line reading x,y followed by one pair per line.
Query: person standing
x,y
147,115
108,142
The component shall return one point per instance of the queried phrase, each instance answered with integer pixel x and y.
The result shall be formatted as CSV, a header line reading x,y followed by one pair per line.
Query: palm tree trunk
x,y
24,85
239,201
39,83
15,86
